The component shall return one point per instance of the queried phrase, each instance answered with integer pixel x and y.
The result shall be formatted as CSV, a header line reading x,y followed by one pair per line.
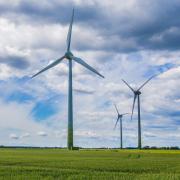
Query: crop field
x,y
89,164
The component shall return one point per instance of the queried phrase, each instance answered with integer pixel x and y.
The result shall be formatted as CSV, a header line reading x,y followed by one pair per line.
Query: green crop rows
x,y
89,164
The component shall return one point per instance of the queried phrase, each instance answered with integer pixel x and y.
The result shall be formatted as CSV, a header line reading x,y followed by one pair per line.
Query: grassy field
x,y
89,164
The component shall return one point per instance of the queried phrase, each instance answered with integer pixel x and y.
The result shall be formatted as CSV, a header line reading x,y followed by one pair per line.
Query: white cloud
x,y
42,133
13,136
25,135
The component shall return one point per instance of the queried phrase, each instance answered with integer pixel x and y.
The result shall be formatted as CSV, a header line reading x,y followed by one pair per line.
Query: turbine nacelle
x,y
120,115
137,92
68,55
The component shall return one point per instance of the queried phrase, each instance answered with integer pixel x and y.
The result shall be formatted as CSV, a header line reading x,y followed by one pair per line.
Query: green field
x,y
89,164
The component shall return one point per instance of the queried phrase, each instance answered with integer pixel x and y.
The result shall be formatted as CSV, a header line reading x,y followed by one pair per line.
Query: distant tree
x,y
174,147
76,148
153,147
146,147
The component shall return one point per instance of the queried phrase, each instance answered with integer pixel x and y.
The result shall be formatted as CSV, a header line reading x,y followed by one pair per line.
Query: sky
x,y
131,40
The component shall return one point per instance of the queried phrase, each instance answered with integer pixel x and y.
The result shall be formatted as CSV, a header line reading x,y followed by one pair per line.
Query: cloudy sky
x,y
132,39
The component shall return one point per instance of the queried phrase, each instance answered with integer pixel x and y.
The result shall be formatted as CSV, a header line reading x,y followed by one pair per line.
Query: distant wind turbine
x,y
119,118
69,56
137,94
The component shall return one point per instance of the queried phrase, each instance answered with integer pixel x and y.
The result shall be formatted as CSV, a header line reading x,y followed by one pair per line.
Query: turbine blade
x,y
70,32
128,85
125,114
49,66
116,123
146,82
116,108
80,61
133,106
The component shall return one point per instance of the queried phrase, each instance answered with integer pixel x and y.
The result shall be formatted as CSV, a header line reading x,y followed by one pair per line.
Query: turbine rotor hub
x,y
138,92
69,55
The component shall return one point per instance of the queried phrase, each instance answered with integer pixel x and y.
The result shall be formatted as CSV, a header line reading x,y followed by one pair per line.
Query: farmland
x,y
89,164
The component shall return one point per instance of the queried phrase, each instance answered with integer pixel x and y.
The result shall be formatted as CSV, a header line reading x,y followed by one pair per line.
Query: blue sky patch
x,y
20,97
44,109
159,69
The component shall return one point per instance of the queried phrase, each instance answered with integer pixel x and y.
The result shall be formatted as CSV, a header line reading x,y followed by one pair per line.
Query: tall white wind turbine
x,y
70,57
137,94
119,119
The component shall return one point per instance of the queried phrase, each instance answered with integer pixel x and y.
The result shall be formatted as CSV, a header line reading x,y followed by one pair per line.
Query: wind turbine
x,y
70,57
137,94
119,118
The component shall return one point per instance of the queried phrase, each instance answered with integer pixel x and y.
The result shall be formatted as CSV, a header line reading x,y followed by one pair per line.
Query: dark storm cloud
x,y
50,12
148,25
17,62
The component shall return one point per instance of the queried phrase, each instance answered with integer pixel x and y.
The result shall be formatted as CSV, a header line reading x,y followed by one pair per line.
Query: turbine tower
x,y
137,94
70,57
119,118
